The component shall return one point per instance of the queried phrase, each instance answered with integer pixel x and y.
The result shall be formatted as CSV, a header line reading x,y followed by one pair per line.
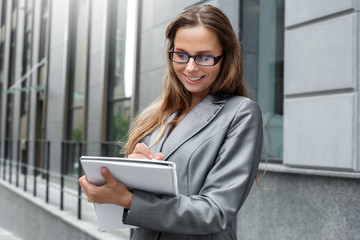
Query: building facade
x,y
73,74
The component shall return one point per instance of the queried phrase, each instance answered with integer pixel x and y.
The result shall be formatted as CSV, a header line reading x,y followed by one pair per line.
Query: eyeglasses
x,y
201,60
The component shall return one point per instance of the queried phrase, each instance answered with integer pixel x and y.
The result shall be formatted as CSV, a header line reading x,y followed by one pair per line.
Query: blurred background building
x,y
73,73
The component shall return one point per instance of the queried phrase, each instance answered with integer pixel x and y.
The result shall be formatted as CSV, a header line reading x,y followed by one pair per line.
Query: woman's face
x,y
197,40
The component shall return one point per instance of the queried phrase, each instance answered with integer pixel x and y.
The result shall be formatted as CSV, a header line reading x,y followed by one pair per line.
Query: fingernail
x,y
151,156
104,171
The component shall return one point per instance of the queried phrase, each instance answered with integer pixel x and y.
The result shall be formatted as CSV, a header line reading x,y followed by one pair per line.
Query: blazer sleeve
x,y
223,192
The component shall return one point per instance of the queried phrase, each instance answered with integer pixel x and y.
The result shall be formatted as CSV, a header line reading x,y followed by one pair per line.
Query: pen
x,y
151,155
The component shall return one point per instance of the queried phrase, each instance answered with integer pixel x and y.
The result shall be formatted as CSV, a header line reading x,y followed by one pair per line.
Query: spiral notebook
x,y
153,176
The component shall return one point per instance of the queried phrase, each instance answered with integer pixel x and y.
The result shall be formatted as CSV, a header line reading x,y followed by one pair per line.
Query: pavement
x,y
88,223
6,235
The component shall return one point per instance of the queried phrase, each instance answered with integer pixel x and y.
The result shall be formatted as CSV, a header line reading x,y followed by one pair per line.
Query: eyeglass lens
x,y
199,59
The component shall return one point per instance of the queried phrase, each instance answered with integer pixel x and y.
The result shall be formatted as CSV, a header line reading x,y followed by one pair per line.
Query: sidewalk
x,y
87,224
6,235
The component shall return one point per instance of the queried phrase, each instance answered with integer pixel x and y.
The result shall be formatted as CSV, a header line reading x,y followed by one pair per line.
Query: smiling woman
x,y
205,124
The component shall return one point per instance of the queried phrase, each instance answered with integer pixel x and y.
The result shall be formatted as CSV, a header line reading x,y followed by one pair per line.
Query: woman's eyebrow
x,y
180,50
206,52
203,52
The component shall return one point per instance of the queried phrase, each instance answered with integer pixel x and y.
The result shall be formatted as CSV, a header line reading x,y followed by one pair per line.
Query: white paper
x,y
158,177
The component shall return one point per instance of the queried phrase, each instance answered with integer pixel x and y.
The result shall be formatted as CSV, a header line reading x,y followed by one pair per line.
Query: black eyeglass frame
x,y
216,59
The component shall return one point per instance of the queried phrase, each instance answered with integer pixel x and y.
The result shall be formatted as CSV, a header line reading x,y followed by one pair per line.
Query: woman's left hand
x,y
112,192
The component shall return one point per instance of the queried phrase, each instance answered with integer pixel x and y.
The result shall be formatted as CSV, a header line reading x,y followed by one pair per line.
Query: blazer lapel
x,y
159,145
197,119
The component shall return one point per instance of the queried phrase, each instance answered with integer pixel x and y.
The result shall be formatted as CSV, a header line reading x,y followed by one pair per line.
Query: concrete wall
x,y
5,74
321,84
321,130
33,222
57,79
97,75
31,218
17,75
34,92
298,206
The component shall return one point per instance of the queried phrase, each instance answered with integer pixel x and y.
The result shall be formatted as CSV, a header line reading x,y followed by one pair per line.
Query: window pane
x,y
120,120
43,28
77,124
10,81
117,50
263,47
119,98
2,35
81,52
27,37
78,67
26,67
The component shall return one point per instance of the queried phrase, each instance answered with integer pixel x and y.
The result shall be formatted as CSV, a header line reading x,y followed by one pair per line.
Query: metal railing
x,y
32,173
71,151
19,169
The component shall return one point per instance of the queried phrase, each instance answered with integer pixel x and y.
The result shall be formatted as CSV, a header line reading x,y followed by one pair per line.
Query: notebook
x,y
153,176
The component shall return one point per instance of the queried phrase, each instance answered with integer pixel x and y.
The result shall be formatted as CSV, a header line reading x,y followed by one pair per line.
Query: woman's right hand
x,y
141,151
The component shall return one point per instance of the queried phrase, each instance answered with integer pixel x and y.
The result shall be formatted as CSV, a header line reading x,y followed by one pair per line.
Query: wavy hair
x,y
175,97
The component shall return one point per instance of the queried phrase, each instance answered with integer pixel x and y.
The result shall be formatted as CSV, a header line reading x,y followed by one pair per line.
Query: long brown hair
x,y
175,97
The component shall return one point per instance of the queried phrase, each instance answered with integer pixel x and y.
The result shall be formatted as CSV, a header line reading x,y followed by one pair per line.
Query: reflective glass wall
x,y
26,78
119,88
77,81
41,83
10,81
2,40
262,39
79,40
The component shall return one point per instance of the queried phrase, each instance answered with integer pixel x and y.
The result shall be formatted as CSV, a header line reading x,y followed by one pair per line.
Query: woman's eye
x,y
181,56
206,59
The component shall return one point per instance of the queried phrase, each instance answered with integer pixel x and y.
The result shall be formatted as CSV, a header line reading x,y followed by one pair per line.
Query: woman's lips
x,y
193,79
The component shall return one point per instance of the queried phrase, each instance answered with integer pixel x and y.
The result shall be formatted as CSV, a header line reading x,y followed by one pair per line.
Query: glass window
x,y
78,68
43,28
79,40
11,80
26,67
119,95
2,52
262,30
41,84
2,43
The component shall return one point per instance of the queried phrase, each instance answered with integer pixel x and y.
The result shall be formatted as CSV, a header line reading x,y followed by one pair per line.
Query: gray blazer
x,y
216,148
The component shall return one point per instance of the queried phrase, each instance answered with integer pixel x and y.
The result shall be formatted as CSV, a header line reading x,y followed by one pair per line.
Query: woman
x,y
205,124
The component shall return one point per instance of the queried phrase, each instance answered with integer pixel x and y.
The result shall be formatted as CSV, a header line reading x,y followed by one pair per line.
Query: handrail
x,y
13,87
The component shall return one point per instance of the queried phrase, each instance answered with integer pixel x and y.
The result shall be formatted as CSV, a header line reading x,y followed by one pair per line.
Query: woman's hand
x,y
112,192
141,151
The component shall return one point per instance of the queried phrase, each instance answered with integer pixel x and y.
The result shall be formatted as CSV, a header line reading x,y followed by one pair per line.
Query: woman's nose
x,y
191,65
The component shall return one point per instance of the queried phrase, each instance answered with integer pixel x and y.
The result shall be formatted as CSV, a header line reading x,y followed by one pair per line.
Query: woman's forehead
x,y
197,39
